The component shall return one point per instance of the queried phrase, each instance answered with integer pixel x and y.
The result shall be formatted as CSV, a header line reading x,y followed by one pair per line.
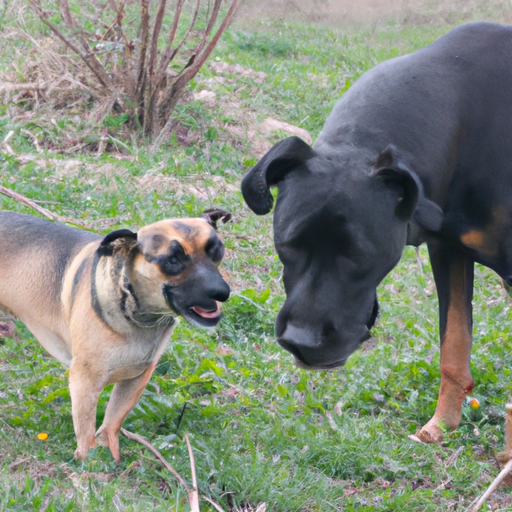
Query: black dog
x,y
419,149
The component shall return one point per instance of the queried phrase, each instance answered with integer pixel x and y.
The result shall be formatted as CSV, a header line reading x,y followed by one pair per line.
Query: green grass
x,y
263,431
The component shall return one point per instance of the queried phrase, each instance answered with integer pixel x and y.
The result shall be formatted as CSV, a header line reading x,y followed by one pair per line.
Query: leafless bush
x,y
141,54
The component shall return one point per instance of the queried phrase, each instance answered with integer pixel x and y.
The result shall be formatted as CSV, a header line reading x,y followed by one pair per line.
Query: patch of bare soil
x,y
348,12
245,129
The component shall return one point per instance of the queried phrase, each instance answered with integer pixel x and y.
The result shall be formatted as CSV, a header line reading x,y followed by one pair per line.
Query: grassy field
x,y
265,434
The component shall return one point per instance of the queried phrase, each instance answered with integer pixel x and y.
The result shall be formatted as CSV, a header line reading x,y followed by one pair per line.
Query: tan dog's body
x,y
106,307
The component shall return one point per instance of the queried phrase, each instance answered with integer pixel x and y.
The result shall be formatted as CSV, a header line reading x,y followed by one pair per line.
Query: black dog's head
x,y
337,233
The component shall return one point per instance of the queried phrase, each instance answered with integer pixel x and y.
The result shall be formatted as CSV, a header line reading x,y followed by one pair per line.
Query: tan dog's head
x,y
174,269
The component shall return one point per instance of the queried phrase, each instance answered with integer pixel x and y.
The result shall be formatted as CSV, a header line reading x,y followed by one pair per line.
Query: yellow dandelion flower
x,y
42,436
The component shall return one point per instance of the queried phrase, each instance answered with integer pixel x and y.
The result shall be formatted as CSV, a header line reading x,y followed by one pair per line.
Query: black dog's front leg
x,y
453,274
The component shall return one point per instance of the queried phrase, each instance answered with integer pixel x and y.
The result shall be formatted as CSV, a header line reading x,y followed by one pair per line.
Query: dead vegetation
x,y
116,79
130,60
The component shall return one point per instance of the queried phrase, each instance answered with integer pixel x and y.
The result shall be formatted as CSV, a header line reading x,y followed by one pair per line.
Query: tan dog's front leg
x,y
85,388
124,396
453,273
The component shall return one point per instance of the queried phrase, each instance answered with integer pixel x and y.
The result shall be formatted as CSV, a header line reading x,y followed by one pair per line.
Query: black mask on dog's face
x,y
186,253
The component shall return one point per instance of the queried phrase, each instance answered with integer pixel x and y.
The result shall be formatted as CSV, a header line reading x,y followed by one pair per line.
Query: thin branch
x,y
98,11
27,202
504,473
153,52
90,61
193,495
211,23
150,120
200,60
117,21
174,91
169,53
39,209
176,20
66,13
216,506
159,456
119,9
141,75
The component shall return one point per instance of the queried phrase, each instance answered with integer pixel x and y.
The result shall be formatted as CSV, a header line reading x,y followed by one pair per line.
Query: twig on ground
x,y
39,209
216,506
193,496
35,140
13,87
504,476
160,457
27,202
495,484
5,144
453,457
193,493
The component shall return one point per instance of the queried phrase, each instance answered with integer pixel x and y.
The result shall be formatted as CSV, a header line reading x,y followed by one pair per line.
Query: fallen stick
x,y
7,149
13,87
39,209
216,506
193,495
27,202
495,484
160,457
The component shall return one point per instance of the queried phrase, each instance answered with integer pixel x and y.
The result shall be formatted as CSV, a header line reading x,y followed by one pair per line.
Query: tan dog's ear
x,y
214,215
106,248
119,233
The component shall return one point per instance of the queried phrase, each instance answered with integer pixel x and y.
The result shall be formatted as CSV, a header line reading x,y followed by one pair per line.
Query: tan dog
x,y
106,307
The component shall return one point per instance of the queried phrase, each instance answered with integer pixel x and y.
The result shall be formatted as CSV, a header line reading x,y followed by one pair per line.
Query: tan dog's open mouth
x,y
207,314
207,317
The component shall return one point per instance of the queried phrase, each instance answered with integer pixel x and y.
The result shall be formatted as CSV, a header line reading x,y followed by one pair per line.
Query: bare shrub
x,y
140,55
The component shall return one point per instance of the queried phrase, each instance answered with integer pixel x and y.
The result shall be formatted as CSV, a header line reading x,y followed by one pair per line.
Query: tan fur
x,y
456,379
84,326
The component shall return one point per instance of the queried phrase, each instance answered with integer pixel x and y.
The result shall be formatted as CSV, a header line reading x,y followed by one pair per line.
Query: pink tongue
x,y
207,314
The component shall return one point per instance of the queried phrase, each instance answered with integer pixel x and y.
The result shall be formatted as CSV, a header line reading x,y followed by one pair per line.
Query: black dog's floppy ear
x,y
412,205
271,169
119,233
214,215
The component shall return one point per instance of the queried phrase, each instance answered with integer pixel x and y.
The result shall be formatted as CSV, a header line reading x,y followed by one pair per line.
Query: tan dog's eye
x,y
175,261
214,249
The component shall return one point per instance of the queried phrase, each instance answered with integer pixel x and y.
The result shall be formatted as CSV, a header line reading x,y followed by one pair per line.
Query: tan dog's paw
x,y
430,433
81,451
110,439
